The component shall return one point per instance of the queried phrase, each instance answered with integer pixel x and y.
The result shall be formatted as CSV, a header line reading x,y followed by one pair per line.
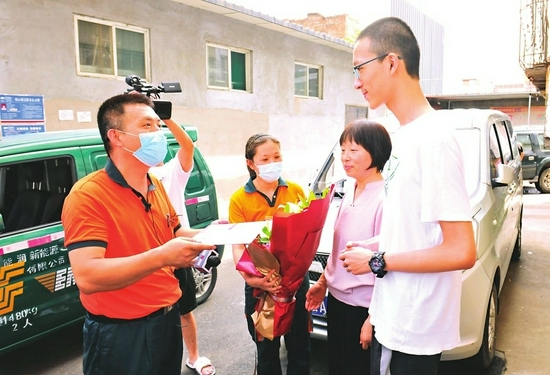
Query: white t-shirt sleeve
x,y
174,179
444,195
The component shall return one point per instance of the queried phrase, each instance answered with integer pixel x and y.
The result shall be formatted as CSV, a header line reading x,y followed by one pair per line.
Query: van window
x,y
541,143
525,140
499,143
33,192
504,141
331,172
494,151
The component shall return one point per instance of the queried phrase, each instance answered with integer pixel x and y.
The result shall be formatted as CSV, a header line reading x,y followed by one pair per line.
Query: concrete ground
x,y
523,322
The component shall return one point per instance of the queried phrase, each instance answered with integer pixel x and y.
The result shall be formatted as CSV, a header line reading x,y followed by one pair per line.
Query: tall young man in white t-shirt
x,y
426,234
174,176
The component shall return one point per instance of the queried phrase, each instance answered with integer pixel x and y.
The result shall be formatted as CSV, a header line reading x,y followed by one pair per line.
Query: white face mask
x,y
270,172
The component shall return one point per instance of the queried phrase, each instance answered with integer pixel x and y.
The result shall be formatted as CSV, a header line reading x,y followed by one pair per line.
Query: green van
x,y
38,294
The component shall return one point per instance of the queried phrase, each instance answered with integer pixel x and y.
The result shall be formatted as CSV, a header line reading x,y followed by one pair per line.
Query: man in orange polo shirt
x,y
124,240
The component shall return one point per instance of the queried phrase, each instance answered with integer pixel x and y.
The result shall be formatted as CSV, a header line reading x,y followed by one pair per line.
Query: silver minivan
x,y
494,184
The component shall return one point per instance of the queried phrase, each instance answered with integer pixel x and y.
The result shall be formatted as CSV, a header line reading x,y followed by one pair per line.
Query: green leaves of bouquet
x,y
265,236
294,208
303,203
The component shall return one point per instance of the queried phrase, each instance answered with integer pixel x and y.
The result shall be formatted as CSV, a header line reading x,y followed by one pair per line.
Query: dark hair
x,y
109,115
252,145
373,137
391,34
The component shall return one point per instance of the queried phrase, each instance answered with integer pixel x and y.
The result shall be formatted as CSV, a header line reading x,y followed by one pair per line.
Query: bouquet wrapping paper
x,y
294,241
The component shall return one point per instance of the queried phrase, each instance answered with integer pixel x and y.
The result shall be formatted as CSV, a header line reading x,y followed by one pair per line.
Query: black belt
x,y
107,320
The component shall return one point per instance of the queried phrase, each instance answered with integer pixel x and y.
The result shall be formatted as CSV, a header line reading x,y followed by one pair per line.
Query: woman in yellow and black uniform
x,y
256,201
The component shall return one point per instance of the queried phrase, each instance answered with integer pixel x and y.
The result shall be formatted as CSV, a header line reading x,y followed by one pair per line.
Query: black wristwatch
x,y
377,264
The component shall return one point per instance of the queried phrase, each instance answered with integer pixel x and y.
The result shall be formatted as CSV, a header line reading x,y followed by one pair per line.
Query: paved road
x,y
522,330
522,334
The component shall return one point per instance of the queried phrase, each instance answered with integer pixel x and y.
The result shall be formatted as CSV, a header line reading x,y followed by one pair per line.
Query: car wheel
x,y
516,253
543,184
205,284
486,354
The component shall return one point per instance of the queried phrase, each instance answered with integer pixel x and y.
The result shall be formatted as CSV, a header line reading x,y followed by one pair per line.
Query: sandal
x,y
200,364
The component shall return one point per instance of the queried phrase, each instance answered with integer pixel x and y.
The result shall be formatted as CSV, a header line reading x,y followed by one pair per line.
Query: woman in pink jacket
x,y
366,146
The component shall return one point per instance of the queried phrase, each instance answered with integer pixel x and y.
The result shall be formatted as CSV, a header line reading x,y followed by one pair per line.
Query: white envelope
x,y
230,234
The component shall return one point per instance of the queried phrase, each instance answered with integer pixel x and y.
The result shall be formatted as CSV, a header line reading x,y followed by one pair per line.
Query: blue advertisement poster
x,y
18,108
8,130
20,114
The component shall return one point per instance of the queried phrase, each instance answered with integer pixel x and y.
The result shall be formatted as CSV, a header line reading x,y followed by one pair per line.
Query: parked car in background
x,y
38,293
494,184
536,160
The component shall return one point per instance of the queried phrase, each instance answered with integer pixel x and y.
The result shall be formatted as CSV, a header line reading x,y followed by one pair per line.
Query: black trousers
x,y
188,300
297,341
402,363
148,346
345,354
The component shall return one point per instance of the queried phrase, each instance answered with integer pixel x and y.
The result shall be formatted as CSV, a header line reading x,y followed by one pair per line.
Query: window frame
x,y
113,25
542,145
355,112
247,68
319,80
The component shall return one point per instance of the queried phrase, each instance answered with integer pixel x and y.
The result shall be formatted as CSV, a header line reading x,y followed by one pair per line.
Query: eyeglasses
x,y
359,66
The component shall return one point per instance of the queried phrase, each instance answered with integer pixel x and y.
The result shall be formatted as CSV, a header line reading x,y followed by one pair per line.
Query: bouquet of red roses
x,y
289,248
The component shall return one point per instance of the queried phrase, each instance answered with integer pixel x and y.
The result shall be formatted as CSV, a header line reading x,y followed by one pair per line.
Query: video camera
x,y
163,108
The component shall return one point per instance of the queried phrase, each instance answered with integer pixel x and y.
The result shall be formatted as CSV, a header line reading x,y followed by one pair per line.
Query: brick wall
x,y
341,26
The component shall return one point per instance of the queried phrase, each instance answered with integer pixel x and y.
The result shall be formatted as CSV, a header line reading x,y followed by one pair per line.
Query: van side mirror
x,y
504,175
2,226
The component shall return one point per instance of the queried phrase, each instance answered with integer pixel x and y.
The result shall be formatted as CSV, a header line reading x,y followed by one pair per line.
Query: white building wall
x,y
430,36
38,56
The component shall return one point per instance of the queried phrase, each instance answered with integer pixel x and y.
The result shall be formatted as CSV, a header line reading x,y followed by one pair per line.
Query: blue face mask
x,y
153,147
